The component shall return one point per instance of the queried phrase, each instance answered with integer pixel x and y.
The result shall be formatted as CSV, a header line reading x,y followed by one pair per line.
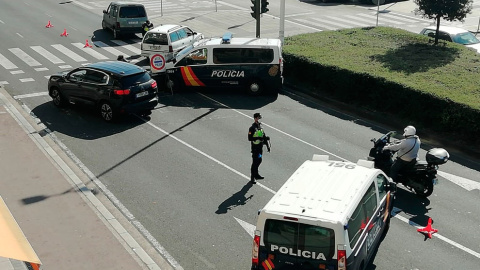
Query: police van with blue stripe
x,y
254,64
328,215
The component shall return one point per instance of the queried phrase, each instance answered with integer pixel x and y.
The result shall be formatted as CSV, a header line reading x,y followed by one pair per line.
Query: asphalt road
x,y
183,174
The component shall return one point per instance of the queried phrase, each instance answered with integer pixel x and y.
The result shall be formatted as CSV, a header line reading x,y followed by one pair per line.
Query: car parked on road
x,y
124,18
453,34
112,87
168,39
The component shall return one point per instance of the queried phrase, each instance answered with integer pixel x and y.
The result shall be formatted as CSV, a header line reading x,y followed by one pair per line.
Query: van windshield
x,y
297,238
132,12
156,38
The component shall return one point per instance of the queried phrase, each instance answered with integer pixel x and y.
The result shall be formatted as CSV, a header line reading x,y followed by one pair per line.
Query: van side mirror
x,y
104,11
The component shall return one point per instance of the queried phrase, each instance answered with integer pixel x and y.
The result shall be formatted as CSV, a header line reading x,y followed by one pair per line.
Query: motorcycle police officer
x,y
407,152
257,139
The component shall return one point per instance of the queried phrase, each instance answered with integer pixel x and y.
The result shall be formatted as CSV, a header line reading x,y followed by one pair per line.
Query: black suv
x,y
112,87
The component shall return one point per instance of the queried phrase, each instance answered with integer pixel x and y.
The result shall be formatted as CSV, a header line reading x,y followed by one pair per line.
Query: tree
x,y
449,10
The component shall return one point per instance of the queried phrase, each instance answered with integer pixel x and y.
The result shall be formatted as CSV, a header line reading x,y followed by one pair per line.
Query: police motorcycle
x,y
419,178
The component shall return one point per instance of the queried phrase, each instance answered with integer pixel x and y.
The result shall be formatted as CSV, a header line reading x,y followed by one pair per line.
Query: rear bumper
x,y
130,30
146,105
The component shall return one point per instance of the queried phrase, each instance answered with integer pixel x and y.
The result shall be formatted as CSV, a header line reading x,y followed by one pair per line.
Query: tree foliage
x,y
449,10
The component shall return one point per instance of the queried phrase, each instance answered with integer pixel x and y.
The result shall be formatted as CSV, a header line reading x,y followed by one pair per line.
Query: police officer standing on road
x,y
257,139
146,26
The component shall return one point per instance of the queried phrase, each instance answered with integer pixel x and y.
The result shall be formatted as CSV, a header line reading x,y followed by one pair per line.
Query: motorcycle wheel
x,y
427,190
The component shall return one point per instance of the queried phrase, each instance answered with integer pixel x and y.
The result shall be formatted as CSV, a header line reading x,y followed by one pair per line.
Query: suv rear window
x,y
138,78
298,236
132,12
156,38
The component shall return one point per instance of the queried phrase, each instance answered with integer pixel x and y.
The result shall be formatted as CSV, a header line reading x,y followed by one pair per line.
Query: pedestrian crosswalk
x,y
158,6
23,62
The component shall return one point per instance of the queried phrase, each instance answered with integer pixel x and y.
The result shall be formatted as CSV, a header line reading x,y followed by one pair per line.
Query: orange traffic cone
x,y
49,24
87,44
428,230
64,34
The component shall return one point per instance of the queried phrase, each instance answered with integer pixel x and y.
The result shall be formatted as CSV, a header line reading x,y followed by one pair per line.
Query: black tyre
x,y
255,88
427,190
57,98
107,112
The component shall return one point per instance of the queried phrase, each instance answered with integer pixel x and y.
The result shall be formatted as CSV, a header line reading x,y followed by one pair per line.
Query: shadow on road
x,y
237,199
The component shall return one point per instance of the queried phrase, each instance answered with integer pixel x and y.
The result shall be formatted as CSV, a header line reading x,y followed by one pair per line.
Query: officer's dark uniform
x,y
256,136
146,26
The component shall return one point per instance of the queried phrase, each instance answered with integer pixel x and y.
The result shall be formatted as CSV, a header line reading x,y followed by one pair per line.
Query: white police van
x,y
254,64
328,215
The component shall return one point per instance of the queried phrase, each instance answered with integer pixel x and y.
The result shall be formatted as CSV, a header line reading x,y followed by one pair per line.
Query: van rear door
x,y
132,16
289,244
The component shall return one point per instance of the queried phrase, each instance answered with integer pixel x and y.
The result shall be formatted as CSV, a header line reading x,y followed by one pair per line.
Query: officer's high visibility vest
x,y
258,134
146,28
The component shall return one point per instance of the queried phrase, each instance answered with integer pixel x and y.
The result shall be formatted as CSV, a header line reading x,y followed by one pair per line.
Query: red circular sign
x,y
157,61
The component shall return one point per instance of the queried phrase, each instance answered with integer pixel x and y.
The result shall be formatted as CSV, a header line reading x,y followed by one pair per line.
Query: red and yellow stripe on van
x,y
268,264
190,78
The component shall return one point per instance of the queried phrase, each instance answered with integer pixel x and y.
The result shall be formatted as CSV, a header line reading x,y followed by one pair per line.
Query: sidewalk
x,y
66,224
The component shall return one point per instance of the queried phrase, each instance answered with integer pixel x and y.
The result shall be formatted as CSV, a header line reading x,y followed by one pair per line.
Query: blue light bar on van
x,y
227,37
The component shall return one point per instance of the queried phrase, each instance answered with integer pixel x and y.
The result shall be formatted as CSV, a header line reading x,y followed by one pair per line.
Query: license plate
x,y
155,47
132,22
141,94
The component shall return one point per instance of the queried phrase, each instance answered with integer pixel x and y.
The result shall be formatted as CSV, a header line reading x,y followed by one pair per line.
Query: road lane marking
x,y
27,80
203,153
31,95
7,64
127,46
90,51
69,53
250,229
395,212
276,129
109,49
25,57
463,182
50,57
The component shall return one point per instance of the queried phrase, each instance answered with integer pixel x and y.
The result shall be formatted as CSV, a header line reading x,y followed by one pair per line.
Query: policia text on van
x,y
249,63
328,215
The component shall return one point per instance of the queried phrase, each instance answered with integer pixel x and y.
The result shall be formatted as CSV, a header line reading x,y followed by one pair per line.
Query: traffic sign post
x,y
157,63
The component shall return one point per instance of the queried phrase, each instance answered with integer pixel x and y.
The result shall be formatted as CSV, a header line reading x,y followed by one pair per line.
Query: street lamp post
x,y
281,32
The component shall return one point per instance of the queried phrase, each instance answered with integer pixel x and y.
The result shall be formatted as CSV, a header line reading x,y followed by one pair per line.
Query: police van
x,y
254,64
328,215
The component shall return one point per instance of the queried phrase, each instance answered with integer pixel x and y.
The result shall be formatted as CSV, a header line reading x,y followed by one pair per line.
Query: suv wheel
x,y
106,111
57,98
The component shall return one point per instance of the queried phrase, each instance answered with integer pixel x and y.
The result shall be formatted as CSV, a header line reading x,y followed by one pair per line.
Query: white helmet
x,y
409,131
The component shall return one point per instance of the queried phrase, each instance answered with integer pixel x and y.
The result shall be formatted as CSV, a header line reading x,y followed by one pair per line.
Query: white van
x,y
328,215
252,64
168,39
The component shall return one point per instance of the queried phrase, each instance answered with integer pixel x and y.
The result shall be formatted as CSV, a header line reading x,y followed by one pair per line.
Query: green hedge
x,y
441,93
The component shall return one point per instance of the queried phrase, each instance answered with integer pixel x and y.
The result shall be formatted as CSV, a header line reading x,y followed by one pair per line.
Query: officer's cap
x,y
257,115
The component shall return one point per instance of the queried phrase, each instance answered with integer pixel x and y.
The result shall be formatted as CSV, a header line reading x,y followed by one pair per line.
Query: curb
x,y
87,194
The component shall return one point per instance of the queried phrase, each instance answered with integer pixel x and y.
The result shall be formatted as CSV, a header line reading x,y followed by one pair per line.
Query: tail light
x,y
341,257
121,92
118,25
154,84
256,246
170,48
